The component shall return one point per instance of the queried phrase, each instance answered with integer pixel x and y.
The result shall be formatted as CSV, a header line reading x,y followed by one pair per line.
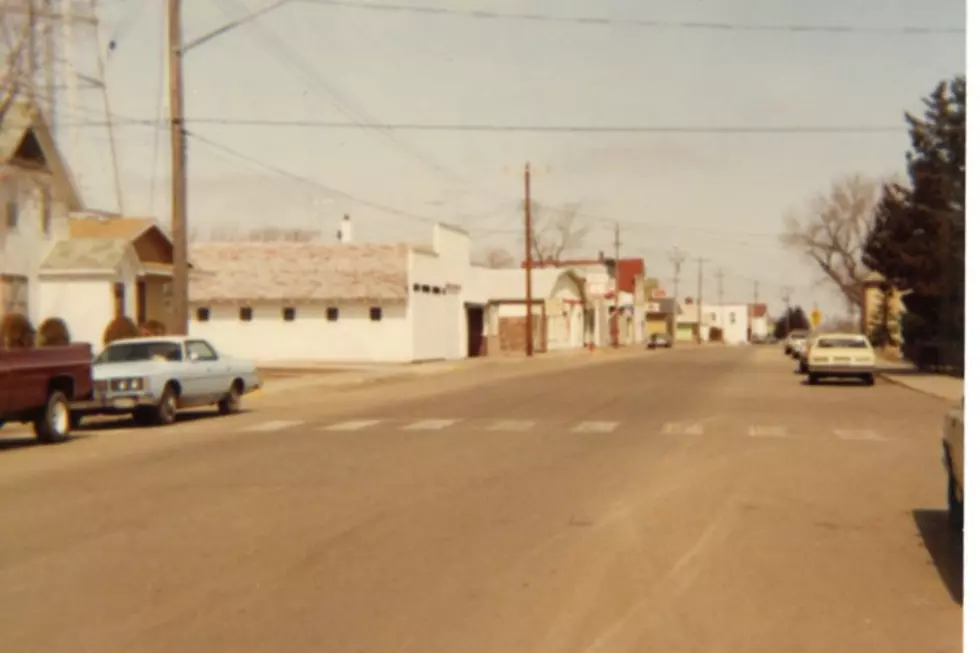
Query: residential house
x,y
342,302
58,261
729,321
561,316
759,322
36,193
599,277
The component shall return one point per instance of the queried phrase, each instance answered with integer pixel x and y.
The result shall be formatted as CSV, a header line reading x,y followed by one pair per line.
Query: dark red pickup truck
x,y
39,385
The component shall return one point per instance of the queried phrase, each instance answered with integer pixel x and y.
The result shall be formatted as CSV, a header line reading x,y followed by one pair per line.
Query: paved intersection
x,y
685,501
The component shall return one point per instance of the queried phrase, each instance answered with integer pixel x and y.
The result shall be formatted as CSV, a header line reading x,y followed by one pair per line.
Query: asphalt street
x,y
702,500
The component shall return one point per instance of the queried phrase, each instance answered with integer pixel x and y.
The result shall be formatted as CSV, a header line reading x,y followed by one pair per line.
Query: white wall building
x,y
345,302
732,319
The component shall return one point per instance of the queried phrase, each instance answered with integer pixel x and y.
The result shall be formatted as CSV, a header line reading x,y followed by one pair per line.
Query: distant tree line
x,y
793,319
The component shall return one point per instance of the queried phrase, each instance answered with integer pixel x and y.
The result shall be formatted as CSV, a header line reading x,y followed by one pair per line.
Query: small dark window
x,y
245,314
436,290
288,314
375,313
203,314
333,314
416,287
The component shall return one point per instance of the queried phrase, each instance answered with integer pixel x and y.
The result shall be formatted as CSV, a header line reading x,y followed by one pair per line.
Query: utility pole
x,y
49,90
32,52
720,276
700,295
178,152
615,324
528,306
677,258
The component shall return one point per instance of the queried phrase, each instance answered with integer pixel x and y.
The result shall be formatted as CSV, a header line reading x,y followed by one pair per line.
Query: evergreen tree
x,y
883,322
917,240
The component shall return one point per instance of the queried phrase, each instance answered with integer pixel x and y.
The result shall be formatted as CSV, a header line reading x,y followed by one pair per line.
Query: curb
x,y
889,378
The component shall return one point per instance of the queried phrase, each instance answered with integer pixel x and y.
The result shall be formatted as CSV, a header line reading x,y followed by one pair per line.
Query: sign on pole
x,y
815,317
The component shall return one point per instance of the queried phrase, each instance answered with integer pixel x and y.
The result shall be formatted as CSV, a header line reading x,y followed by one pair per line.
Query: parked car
x,y
154,377
841,355
794,340
953,458
39,386
660,340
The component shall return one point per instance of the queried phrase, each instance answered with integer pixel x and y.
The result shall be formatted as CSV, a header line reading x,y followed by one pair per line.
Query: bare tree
x,y
228,233
555,232
496,257
832,231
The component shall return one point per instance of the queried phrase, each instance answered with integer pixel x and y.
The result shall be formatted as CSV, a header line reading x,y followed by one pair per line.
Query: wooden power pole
x,y
677,258
615,325
528,304
178,153
720,276
700,297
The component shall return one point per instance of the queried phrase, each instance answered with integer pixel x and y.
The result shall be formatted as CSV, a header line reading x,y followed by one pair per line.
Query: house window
x,y
333,314
426,288
731,318
119,298
245,313
375,313
13,294
288,314
436,290
203,314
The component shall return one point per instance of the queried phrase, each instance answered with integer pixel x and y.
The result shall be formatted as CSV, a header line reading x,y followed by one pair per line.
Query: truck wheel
x,y
232,402
955,505
54,423
165,413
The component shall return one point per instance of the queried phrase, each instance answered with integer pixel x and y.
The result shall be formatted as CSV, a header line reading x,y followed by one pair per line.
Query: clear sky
x,y
718,196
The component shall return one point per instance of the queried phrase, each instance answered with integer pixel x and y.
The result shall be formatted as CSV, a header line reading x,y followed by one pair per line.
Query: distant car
x,y
953,457
659,340
153,377
841,355
794,340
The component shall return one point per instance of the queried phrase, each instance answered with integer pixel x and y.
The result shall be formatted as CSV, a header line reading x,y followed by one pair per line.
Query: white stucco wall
x,y
353,338
22,248
733,319
84,302
760,326
431,315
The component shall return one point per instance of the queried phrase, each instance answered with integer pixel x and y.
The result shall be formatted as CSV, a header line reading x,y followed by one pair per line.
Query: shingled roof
x,y
246,272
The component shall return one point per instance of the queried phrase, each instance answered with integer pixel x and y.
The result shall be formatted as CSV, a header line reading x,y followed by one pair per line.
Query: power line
x,y
545,129
649,23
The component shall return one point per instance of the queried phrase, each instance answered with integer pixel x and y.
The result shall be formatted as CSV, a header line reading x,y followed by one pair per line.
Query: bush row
x,y
17,332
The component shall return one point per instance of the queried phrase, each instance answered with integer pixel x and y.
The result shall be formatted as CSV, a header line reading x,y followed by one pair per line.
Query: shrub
x,y
53,332
121,327
153,328
16,332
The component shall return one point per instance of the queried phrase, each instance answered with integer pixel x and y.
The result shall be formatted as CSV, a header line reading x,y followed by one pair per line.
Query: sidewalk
x,y
941,386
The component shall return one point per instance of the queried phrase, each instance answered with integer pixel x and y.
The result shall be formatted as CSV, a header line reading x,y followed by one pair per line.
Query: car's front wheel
x,y
165,412
232,402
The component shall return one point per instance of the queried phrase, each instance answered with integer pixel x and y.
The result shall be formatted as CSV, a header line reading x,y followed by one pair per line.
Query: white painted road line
x,y
768,432
353,425
595,427
430,425
274,425
869,435
682,428
511,425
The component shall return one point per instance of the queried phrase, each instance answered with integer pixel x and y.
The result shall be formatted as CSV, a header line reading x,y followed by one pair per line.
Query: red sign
x,y
658,293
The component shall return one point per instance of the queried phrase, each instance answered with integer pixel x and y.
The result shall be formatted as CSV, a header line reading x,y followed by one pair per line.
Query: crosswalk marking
x,y
353,425
274,425
595,427
768,432
430,424
682,428
858,434
511,425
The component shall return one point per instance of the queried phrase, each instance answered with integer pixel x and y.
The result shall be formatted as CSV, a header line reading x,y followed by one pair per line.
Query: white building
x,y
759,322
58,262
344,302
731,320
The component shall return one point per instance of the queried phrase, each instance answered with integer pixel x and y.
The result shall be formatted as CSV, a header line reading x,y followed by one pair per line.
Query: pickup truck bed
x,y
39,385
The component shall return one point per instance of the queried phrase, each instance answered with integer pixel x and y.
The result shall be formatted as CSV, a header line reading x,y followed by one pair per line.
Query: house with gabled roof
x,y
58,260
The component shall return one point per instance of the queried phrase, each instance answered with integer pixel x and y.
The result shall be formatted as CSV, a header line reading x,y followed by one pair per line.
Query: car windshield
x,y
129,352
842,343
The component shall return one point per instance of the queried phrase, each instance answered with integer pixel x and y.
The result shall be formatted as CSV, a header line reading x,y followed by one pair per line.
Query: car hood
x,y
103,371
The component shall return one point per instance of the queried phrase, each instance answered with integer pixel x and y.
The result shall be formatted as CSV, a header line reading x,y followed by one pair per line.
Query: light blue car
x,y
153,377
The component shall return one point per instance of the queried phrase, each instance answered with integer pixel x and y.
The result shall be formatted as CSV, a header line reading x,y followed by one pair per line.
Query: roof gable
x,y
91,254
25,138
